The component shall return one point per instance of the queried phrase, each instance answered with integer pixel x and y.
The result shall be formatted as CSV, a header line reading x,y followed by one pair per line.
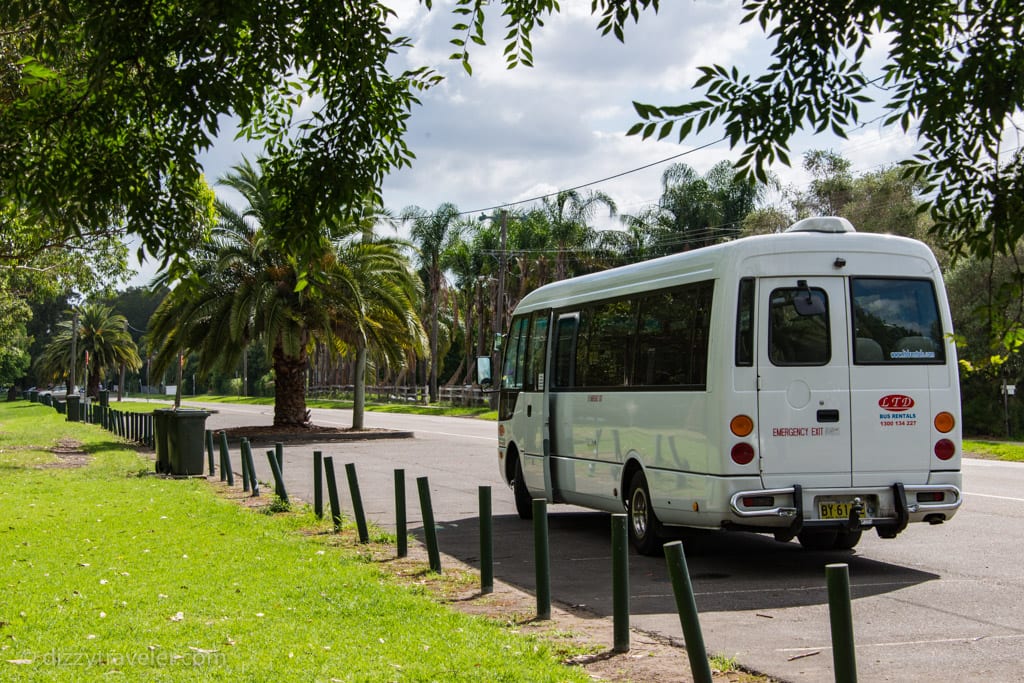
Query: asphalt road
x,y
937,603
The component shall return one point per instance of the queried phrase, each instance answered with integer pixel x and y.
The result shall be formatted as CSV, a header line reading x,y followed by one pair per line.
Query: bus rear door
x,y
804,382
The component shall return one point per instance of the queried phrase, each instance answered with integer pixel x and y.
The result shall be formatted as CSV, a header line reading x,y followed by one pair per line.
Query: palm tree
x,y
695,211
569,214
252,283
433,234
103,343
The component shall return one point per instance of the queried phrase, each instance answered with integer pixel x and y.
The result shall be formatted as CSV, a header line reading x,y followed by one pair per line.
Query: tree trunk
x,y
435,287
359,388
290,389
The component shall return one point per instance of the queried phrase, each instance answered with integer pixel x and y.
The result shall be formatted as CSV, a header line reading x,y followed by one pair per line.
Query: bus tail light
x,y
944,422
944,449
742,453
741,425
758,501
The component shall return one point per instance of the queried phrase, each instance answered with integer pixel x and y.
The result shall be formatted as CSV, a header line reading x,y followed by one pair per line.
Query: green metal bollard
x,y
278,479
429,528
332,492
226,469
687,606
279,454
318,484
844,656
401,528
486,542
225,463
254,483
245,466
209,452
620,583
357,502
542,558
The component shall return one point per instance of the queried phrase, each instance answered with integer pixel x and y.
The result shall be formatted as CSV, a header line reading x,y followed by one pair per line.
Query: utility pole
x,y
499,304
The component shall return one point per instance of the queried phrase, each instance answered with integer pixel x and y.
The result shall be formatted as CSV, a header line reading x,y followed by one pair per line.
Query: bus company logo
x,y
895,402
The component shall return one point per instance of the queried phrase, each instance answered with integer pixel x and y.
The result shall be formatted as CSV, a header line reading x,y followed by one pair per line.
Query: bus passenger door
x,y
532,411
803,382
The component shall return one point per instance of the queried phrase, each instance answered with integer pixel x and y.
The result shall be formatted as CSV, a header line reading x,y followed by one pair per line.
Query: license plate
x,y
834,509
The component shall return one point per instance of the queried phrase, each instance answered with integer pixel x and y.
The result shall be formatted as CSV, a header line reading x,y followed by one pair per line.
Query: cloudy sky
x,y
503,136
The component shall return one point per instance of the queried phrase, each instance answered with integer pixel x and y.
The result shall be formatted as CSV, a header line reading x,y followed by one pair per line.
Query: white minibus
x,y
802,384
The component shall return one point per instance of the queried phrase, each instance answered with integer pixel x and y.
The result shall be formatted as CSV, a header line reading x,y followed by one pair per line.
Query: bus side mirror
x,y
484,375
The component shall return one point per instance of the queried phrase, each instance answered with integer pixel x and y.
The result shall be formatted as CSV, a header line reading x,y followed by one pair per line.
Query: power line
x,y
593,182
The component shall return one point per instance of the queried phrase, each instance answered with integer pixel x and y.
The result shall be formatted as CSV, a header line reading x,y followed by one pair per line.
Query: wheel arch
x,y
511,459
631,467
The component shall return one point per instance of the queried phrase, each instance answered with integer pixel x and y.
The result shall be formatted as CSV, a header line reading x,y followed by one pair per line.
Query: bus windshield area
x,y
896,321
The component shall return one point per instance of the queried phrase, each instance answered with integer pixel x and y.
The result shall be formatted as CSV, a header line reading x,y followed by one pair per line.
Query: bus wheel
x,y
524,501
847,540
643,525
818,540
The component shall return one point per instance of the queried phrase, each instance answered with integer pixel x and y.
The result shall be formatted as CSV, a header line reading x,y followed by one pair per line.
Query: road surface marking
x,y
987,495
904,643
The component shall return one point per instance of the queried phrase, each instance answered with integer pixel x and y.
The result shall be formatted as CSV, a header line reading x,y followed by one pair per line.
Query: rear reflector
x,y
930,497
944,422
759,501
741,425
742,453
944,449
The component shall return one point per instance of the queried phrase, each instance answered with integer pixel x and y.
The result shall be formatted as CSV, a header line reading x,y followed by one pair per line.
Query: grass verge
x,y
1000,450
109,570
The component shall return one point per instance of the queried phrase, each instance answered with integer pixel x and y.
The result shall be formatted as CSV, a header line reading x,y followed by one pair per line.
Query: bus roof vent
x,y
831,224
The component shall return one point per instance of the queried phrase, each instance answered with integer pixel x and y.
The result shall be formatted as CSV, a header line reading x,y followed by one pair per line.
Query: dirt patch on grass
x,y
69,454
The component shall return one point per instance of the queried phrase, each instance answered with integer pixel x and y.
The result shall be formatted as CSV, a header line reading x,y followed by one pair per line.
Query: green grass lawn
x,y
110,573
1001,450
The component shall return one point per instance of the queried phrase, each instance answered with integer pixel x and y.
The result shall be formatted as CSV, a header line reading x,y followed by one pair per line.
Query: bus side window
x,y
515,355
565,352
745,323
534,380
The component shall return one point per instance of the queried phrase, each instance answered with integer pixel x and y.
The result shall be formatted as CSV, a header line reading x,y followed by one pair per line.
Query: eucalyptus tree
x,y
253,282
104,108
433,233
102,342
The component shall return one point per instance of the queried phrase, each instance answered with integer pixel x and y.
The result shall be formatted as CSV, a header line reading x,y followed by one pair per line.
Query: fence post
x,y
332,492
542,558
318,484
357,502
620,583
224,461
844,657
486,542
401,530
247,454
429,529
687,606
278,479
245,465
209,451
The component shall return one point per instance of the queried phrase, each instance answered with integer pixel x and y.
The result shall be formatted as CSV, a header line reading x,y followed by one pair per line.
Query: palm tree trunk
x,y
359,388
290,389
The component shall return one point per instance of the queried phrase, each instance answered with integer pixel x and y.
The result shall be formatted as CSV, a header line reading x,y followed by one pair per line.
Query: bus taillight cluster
x,y
741,426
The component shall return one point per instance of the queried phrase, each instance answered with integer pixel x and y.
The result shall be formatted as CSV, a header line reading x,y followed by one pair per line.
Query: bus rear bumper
x,y
886,508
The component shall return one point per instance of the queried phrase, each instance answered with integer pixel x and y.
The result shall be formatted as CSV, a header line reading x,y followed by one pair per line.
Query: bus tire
x,y
643,524
818,539
524,501
847,540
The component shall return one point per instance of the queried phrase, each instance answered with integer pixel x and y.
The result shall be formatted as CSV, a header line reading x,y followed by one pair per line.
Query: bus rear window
x,y
896,321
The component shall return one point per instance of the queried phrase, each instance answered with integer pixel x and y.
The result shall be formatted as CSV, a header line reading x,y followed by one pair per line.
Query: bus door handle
x,y
529,411
831,415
